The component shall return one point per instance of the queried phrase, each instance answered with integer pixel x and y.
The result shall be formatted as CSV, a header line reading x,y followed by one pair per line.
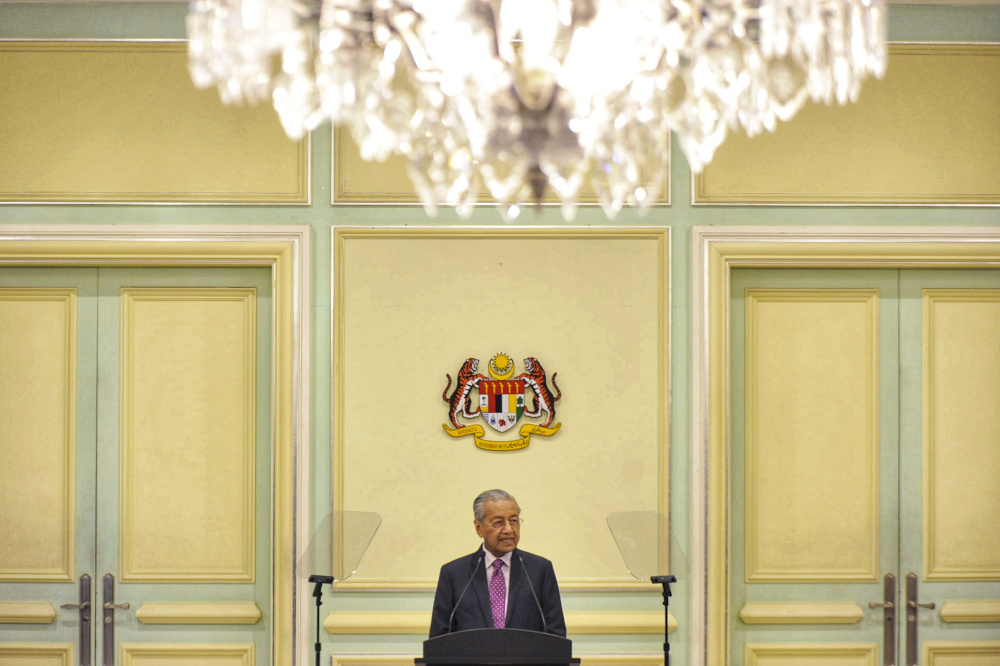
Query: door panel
x,y
173,484
48,368
813,445
802,443
184,453
950,461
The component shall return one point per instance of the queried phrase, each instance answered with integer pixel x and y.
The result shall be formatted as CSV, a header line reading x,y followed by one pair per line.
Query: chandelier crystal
x,y
516,97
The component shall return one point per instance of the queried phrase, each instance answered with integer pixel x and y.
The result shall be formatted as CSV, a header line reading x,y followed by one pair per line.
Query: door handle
x,y
109,620
85,614
888,606
911,618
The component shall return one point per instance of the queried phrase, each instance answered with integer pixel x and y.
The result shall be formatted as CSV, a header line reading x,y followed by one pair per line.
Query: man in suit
x,y
498,586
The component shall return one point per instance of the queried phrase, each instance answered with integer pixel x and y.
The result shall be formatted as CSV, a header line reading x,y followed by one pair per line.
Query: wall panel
x,y
926,134
205,472
810,654
38,407
186,654
410,306
356,181
36,654
121,122
954,653
961,431
811,435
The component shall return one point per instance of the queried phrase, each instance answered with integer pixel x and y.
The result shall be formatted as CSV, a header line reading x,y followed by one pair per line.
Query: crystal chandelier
x,y
516,97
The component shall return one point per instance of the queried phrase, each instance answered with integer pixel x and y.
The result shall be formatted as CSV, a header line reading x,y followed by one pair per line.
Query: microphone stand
x,y
665,581
318,594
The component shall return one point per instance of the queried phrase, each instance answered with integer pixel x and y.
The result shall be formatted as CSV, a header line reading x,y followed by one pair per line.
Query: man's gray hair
x,y
495,495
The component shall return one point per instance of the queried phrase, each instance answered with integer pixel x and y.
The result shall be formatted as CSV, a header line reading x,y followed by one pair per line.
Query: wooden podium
x,y
497,647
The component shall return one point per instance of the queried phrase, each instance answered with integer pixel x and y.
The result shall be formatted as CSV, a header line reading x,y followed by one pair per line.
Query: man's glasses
x,y
498,523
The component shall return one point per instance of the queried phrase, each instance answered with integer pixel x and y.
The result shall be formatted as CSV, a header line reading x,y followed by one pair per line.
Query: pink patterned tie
x,y
498,596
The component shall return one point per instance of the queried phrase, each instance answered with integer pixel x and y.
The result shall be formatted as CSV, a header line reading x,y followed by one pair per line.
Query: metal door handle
x,y
875,604
109,620
911,618
888,606
85,611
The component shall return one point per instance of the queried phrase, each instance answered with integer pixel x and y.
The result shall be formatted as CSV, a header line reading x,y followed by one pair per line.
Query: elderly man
x,y
498,586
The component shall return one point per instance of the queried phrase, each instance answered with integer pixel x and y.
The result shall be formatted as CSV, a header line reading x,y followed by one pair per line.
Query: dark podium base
x,y
497,647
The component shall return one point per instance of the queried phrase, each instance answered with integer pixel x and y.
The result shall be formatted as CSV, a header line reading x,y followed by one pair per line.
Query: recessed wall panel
x,y
187,654
810,654
925,134
121,121
187,430
961,431
36,654
410,306
37,433
356,181
956,653
811,435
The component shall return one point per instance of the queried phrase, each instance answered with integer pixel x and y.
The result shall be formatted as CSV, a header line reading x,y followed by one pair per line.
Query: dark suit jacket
x,y
473,611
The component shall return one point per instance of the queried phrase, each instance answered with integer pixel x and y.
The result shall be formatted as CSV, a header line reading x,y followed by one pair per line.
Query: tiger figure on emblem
x,y
501,398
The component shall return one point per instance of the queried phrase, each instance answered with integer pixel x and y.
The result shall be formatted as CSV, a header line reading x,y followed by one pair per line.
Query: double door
x,y
865,462
134,466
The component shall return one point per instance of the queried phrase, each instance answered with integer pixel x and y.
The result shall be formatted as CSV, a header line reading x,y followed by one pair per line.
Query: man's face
x,y
501,528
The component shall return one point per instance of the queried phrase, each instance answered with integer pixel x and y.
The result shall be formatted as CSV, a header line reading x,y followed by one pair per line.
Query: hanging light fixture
x,y
515,97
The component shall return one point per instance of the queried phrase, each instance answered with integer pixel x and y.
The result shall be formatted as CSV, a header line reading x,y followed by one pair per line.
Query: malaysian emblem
x,y
502,401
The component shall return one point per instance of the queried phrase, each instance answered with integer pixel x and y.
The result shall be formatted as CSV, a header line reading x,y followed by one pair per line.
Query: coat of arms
x,y
502,401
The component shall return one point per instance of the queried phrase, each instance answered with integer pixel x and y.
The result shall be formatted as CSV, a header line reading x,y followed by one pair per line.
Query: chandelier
x,y
517,97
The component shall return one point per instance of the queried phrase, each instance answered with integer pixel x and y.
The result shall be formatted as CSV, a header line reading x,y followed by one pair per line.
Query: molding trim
x,y
781,612
193,612
40,653
27,612
982,610
418,622
716,250
760,654
286,250
200,654
953,653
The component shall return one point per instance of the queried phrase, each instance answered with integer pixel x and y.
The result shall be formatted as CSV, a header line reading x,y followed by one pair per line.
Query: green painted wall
x,y
967,23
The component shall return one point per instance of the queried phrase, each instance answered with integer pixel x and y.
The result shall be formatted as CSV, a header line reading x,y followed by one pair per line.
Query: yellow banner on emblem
x,y
489,445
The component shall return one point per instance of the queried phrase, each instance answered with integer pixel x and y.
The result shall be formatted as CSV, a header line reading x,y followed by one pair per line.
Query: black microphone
x,y
451,619
545,626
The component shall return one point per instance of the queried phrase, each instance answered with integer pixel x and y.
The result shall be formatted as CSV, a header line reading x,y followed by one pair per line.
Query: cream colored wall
x,y
413,305
687,425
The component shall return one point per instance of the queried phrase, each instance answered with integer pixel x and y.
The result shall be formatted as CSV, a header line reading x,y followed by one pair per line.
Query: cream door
x,y
48,445
950,465
177,527
829,505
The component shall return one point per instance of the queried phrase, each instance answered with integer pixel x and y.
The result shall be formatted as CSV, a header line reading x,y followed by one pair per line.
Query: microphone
x,y
545,626
451,619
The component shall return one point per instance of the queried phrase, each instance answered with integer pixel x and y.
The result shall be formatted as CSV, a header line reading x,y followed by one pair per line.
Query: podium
x,y
497,647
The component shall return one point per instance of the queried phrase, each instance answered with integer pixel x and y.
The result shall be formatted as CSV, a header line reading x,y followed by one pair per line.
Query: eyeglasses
x,y
498,523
